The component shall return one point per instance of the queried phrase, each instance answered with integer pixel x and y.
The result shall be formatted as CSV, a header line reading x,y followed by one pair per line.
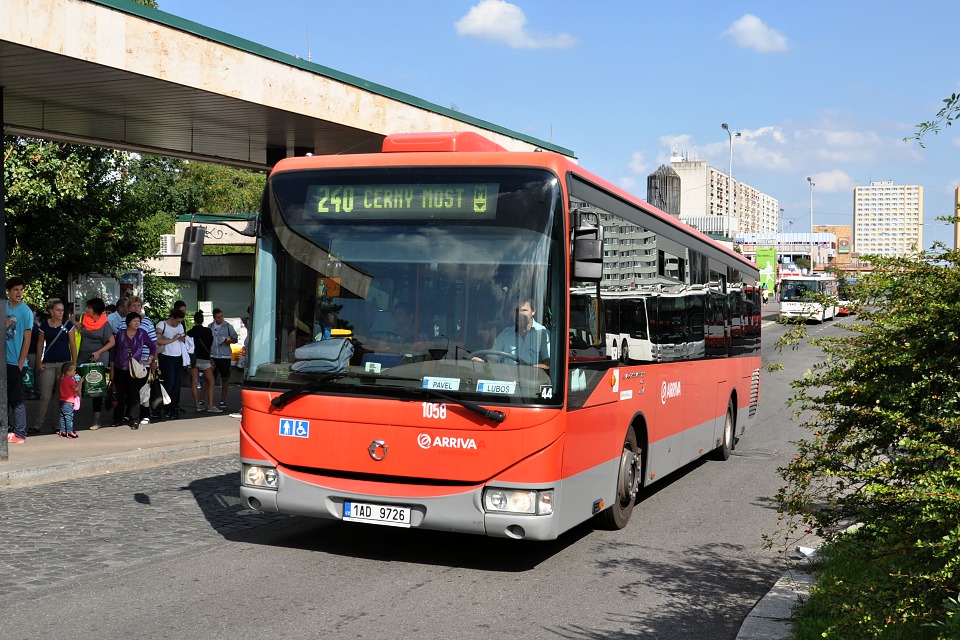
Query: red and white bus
x,y
476,393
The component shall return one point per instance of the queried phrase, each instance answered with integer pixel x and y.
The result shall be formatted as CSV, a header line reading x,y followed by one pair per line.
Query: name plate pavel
x,y
441,384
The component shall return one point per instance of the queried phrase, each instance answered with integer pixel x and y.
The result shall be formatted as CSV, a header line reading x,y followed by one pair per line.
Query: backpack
x,y
324,356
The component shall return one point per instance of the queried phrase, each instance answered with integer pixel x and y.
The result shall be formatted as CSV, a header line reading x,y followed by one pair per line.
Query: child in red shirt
x,y
69,399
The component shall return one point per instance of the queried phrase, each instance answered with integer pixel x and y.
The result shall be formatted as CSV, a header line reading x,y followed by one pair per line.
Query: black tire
x,y
629,479
728,438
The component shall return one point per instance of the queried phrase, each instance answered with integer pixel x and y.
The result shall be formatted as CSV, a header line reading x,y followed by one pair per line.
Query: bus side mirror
x,y
191,253
587,246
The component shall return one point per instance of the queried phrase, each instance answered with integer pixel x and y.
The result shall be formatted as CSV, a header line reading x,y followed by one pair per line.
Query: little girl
x,y
69,399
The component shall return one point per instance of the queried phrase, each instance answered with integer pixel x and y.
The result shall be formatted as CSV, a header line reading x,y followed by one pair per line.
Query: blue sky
x,y
822,88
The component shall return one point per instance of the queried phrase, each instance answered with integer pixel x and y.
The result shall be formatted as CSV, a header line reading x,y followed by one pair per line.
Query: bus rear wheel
x,y
629,478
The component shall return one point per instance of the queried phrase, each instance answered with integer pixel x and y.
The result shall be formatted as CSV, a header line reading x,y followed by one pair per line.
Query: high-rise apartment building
x,y
706,191
887,219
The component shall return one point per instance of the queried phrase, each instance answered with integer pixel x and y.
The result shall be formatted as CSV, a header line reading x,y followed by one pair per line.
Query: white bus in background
x,y
798,297
661,324
627,325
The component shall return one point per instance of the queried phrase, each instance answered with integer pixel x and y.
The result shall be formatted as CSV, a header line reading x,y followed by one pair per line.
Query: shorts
x,y
202,365
222,368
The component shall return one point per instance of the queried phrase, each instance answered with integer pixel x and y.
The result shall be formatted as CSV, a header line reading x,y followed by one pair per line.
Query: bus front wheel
x,y
629,477
727,441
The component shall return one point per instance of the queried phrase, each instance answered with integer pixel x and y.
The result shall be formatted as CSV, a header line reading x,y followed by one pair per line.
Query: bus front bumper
x,y
461,512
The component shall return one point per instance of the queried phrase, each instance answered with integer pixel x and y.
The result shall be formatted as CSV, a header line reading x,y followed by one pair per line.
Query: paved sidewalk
x,y
50,458
46,457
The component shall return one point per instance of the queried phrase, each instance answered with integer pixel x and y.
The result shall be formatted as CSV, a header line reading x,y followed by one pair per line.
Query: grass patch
x,y
849,584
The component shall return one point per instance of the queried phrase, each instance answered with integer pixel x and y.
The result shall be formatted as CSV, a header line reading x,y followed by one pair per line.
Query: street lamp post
x,y
731,205
812,185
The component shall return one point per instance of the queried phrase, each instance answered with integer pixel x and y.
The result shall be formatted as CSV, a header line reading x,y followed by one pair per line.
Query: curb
x,y
127,461
772,617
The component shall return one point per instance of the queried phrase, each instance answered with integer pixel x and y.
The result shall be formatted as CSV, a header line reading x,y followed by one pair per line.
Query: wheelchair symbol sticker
x,y
295,428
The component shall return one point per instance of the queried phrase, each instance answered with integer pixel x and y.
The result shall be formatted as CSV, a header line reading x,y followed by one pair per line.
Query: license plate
x,y
387,514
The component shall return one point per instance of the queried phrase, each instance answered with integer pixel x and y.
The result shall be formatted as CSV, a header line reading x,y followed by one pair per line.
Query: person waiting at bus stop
x,y
525,342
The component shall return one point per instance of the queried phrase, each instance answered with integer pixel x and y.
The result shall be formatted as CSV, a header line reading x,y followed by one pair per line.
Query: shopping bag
x,y
28,378
158,395
145,395
94,377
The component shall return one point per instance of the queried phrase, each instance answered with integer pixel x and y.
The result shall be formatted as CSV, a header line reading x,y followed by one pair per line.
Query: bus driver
x,y
526,340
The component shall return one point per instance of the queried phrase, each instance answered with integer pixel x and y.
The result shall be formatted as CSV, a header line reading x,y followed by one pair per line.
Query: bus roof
x,y
468,148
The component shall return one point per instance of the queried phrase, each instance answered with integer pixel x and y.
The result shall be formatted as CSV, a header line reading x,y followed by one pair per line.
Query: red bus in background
x,y
429,342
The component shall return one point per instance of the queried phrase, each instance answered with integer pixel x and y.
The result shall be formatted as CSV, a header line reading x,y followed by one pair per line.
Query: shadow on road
x,y
702,587
219,499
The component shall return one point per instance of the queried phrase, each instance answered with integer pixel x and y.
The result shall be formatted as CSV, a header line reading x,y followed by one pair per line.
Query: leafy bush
x,y
883,410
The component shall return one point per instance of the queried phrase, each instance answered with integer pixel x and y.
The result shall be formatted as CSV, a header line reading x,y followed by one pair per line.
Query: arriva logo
x,y
669,390
426,441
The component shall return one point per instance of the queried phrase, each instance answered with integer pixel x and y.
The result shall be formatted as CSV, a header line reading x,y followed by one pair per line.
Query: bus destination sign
x,y
473,201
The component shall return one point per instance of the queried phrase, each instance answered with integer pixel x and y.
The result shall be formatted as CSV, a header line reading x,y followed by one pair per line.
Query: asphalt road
x,y
168,552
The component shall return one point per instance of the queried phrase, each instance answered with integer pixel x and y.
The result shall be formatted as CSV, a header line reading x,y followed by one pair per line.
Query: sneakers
x,y
214,409
14,438
202,406
72,434
222,405
144,421
94,427
62,434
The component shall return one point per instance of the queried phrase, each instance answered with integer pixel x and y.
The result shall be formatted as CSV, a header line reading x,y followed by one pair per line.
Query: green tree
x,y
67,211
883,410
945,118
221,189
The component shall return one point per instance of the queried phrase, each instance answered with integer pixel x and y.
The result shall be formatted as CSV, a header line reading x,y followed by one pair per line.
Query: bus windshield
x,y
443,279
796,290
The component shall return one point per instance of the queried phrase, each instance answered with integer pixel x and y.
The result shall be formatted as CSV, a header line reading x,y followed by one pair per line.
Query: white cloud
x,y
750,32
501,21
638,165
835,181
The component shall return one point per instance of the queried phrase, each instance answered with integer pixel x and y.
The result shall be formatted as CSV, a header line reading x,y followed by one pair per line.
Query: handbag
x,y
137,370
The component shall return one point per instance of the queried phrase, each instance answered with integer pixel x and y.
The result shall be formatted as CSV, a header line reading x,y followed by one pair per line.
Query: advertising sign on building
x,y
767,261
843,245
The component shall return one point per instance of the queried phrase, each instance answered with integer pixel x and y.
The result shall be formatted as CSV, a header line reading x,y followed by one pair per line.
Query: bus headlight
x,y
518,501
257,476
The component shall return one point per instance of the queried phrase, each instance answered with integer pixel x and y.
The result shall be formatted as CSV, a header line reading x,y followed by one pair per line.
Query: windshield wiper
x,y
315,385
308,387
